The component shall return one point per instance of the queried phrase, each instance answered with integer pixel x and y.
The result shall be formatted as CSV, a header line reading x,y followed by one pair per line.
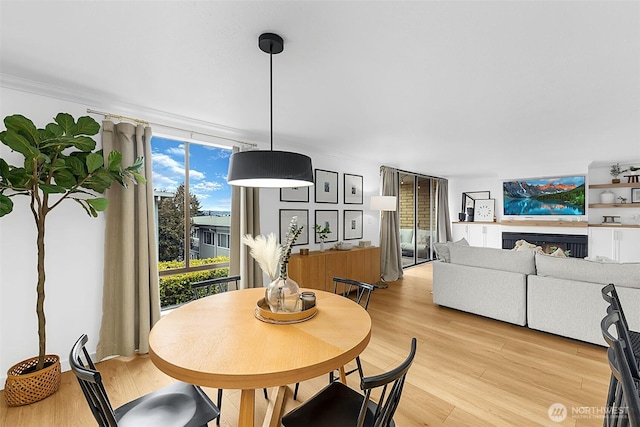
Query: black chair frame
x,y
337,404
610,295
90,382
623,408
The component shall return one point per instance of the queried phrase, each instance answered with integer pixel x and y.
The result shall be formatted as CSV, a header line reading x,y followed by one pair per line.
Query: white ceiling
x,y
447,88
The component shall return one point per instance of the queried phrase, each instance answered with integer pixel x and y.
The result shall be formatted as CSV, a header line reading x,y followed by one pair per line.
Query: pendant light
x,y
274,169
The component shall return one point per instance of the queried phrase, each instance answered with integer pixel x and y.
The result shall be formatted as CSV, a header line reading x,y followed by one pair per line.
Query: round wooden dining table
x,y
218,342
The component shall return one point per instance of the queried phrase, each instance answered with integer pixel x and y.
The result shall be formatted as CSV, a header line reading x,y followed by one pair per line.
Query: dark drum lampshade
x,y
271,169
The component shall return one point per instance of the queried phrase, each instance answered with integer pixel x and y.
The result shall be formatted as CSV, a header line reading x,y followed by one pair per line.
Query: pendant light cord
x,y
271,91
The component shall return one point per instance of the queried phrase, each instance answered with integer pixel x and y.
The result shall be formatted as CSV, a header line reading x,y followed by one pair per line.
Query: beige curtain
x,y
443,221
245,219
390,251
131,300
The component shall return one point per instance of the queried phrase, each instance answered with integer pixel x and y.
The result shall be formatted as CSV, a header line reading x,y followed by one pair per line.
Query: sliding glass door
x,y
417,214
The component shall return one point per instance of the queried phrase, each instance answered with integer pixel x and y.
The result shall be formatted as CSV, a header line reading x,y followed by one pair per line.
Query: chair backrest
x,y
624,408
388,402
614,318
344,287
212,286
610,295
91,383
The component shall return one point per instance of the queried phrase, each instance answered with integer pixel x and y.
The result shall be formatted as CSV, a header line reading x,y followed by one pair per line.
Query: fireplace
x,y
577,244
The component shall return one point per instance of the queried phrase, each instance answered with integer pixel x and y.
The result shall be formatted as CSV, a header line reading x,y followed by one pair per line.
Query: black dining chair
x,y
623,402
610,295
340,405
176,405
209,287
360,292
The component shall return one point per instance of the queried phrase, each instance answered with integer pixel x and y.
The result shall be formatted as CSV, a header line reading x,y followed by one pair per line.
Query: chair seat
x,y
178,404
334,405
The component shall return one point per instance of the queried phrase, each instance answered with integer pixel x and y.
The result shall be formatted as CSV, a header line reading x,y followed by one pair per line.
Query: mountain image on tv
x,y
545,196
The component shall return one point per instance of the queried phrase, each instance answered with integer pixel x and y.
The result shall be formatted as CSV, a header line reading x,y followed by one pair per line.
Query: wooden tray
x,y
264,313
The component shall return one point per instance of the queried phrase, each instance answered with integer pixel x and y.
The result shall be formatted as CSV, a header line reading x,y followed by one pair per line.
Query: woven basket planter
x,y
23,389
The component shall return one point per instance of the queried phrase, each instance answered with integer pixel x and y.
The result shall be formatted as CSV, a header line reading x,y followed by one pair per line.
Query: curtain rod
x,y
144,122
412,173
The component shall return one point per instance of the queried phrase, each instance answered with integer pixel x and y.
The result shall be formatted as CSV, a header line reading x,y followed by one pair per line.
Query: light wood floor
x,y
469,371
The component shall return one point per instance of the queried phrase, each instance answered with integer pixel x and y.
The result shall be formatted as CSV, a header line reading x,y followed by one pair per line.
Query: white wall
x,y
75,242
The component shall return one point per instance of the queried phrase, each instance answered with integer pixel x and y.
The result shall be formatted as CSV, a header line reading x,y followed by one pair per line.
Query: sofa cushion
x,y
496,259
423,237
406,236
627,275
442,249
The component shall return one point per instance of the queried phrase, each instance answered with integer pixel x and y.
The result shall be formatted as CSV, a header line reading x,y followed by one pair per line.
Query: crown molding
x,y
96,101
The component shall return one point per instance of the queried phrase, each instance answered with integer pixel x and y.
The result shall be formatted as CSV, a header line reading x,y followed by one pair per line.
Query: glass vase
x,y
283,295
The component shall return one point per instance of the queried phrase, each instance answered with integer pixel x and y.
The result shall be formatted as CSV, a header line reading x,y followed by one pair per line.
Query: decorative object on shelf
x,y
344,246
636,219
353,189
364,243
607,197
326,219
274,169
69,167
302,215
469,197
610,219
622,199
352,225
484,210
304,251
632,178
615,172
469,215
322,232
294,194
283,294
635,195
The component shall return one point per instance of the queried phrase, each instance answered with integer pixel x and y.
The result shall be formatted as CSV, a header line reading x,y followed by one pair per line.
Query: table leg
x,y
247,408
343,375
274,407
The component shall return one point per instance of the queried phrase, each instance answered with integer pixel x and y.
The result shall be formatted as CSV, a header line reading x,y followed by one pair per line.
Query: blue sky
x,y
208,168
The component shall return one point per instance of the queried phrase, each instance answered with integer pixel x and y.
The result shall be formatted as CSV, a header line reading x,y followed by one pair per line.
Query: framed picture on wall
x,y
327,219
484,210
352,189
296,194
326,185
352,225
303,220
635,195
469,198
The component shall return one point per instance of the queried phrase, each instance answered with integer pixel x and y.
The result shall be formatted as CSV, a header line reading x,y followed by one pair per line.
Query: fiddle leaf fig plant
x,y
60,162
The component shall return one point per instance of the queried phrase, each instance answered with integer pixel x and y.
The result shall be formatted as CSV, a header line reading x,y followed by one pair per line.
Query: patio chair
x,y
339,405
178,404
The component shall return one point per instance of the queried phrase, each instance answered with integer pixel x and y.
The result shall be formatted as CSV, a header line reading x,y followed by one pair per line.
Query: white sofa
x,y
557,295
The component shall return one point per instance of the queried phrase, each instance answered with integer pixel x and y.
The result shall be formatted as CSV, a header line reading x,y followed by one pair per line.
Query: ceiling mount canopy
x,y
272,169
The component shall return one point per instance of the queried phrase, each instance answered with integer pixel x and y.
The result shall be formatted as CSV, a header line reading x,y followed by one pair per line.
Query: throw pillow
x,y
442,249
523,245
559,253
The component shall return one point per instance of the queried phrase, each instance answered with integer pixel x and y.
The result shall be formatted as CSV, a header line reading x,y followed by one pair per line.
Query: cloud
x,y
170,166
207,186
178,151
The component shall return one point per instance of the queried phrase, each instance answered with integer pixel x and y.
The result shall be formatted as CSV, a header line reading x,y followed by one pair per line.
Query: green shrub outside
x,y
176,289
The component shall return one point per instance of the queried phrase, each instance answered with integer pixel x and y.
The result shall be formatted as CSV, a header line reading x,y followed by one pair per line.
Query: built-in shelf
x,y
614,205
532,223
615,225
476,222
621,185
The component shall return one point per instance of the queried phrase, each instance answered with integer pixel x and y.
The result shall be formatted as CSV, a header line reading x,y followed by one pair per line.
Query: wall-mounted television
x,y
563,195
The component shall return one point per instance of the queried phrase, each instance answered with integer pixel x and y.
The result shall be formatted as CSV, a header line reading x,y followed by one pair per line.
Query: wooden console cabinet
x,y
318,269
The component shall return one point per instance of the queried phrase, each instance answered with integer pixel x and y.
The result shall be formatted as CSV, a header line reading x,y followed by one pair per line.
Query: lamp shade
x,y
383,203
270,169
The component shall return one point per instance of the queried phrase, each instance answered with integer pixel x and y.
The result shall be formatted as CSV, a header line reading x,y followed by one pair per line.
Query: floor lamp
x,y
383,204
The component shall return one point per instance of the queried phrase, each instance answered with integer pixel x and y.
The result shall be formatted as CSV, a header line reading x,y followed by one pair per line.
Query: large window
x,y
223,240
193,204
